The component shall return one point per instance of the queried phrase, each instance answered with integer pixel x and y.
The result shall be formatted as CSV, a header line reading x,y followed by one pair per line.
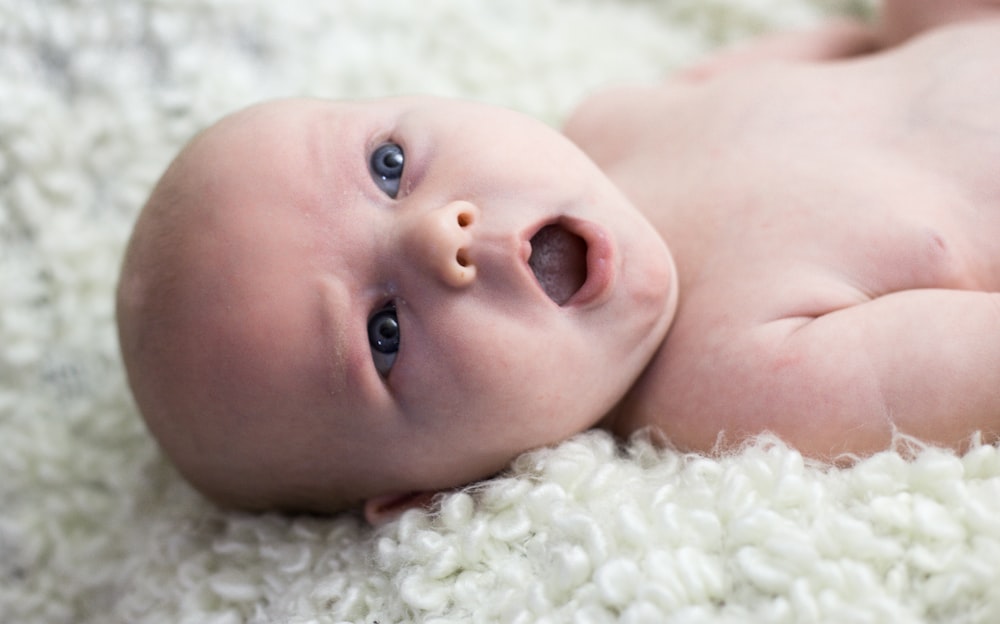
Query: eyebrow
x,y
315,130
330,124
334,309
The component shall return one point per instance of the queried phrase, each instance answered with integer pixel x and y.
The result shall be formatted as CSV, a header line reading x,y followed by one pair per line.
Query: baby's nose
x,y
439,241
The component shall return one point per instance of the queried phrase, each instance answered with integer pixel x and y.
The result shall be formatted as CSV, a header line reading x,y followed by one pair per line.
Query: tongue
x,y
559,261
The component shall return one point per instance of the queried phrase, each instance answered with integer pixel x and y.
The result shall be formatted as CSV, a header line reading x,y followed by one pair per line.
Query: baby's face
x,y
368,311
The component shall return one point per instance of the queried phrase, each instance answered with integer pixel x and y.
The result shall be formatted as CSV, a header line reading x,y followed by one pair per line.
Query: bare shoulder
x,y
607,123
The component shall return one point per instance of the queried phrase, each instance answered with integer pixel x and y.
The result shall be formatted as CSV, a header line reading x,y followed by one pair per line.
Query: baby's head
x,y
324,303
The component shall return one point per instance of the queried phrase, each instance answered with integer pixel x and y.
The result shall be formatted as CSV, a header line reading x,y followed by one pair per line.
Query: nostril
x,y
464,219
462,258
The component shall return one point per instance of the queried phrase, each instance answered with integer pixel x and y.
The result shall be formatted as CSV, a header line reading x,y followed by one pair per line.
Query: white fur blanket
x,y
96,96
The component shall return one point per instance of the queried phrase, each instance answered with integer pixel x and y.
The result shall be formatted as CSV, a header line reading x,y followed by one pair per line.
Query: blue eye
x,y
383,336
386,167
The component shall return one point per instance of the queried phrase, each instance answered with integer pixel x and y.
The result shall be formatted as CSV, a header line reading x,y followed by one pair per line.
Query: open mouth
x,y
559,261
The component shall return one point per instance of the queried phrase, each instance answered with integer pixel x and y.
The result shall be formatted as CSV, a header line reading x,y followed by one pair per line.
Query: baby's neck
x,y
609,421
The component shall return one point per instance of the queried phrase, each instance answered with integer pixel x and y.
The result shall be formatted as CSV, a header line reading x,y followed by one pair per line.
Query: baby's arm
x,y
926,362
837,39
902,19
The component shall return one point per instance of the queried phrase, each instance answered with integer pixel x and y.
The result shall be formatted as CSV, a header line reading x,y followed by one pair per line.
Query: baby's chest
x,y
885,193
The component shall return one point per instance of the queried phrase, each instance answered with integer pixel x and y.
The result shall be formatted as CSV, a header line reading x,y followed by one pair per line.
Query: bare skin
x,y
836,229
272,259
800,237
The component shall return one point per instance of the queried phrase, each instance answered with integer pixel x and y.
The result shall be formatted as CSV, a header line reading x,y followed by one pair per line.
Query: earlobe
x,y
387,507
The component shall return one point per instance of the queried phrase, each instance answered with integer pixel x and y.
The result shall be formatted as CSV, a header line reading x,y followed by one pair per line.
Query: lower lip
x,y
600,268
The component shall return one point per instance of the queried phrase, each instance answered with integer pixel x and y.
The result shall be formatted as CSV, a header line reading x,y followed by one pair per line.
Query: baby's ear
x,y
382,509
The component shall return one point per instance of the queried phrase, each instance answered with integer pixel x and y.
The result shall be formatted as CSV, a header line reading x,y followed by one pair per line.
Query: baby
x,y
330,304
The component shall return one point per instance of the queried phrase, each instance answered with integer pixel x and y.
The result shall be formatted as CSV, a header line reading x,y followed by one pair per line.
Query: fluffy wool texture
x,y
96,527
